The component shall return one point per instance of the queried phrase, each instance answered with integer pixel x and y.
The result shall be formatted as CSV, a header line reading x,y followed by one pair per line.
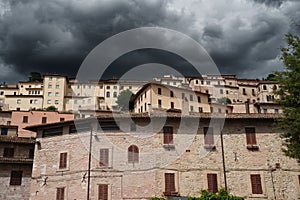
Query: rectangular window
x,y
200,109
250,136
159,91
276,111
221,91
171,94
57,94
16,177
18,101
172,105
191,98
212,183
49,86
108,126
208,136
169,184
25,119
168,135
199,99
44,120
8,152
256,184
63,160
159,103
103,192
104,157
56,101
49,94
57,86
192,108
49,102
61,119
60,193
4,131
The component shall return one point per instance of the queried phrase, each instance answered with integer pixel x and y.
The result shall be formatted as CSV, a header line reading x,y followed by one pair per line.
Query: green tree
x,y
289,92
224,101
35,76
125,100
271,77
51,108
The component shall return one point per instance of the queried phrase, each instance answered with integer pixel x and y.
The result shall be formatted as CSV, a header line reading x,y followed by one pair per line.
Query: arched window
x,y
133,154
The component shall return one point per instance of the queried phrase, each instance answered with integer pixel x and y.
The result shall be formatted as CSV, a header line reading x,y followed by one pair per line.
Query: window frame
x,y
16,177
212,182
133,154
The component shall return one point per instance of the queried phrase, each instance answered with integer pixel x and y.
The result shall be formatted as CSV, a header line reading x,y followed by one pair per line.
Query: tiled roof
x,y
15,139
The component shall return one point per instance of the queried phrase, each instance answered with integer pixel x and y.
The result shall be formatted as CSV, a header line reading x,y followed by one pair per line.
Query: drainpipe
x,y
223,160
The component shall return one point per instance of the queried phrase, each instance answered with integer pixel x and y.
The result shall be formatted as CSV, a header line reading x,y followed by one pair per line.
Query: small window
x,y
2,93
171,94
61,119
63,160
115,87
182,95
44,120
16,177
115,94
207,82
104,157
256,184
133,154
49,94
197,81
191,98
169,184
57,94
103,192
168,135
50,86
199,99
212,183
25,119
49,102
18,101
219,110
8,152
264,87
208,136
107,94
4,131
172,105
159,91
200,109
56,102
50,78
192,108
265,111
276,111
159,103
108,87
57,86
221,91
250,137
60,193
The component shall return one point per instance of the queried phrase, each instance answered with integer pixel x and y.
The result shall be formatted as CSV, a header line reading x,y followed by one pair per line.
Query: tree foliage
x,y
289,91
224,101
125,100
51,108
35,76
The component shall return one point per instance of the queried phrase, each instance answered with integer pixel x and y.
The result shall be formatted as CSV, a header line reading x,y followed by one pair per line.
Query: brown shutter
x,y
256,184
250,135
212,183
169,183
133,154
60,193
16,177
63,160
104,157
208,135
168,135
8,152
103,192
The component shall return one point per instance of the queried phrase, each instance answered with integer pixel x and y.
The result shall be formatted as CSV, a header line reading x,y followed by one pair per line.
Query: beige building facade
x,y
180,156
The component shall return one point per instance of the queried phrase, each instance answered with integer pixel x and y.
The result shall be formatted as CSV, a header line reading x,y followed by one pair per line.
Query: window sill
x,y
169,146
210,147
62,170
264,196
171,194
253,147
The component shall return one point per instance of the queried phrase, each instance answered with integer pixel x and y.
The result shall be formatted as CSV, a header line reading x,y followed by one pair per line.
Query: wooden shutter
x,y
250,135
169,183
60,193
63,160
133,154
212,183
104,157
256,184
208,136
103,192
16,177
168,135
44,120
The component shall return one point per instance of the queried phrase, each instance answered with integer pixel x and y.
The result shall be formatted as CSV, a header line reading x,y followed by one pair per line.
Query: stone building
x,y
16,158
139,156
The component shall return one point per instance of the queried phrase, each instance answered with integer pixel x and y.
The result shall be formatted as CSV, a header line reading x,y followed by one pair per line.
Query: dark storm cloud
x,y
54,36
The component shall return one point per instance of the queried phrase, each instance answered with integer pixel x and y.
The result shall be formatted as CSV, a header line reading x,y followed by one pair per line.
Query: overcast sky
x,y
242,36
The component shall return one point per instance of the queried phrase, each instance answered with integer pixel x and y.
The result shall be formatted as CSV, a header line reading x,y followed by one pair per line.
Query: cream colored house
x,y
154,96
